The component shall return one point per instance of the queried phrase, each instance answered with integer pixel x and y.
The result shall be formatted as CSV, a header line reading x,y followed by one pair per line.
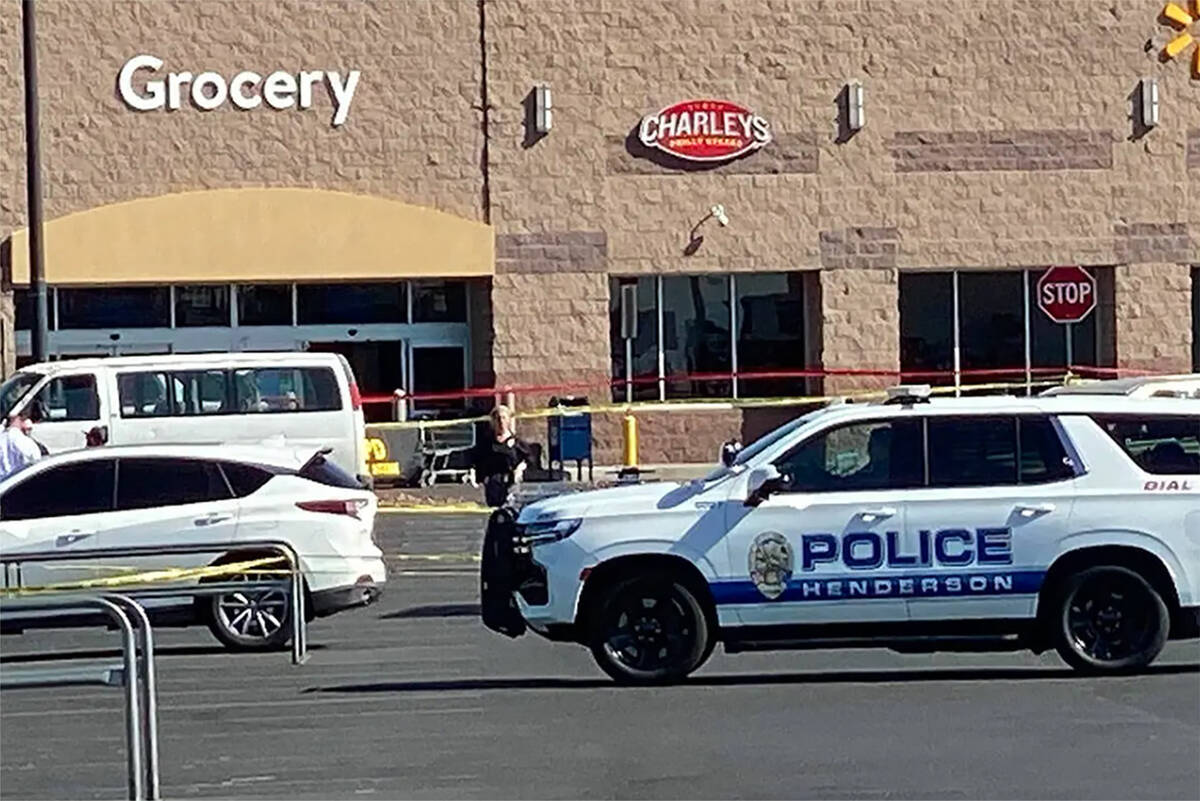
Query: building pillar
x,y
8,339
1153,304
860,327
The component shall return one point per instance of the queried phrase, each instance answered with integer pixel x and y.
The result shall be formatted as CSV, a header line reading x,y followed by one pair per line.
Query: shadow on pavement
x,y
743,679
434,610
115,653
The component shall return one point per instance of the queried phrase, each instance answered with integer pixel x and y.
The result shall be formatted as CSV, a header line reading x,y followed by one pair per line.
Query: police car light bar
x,y
909,393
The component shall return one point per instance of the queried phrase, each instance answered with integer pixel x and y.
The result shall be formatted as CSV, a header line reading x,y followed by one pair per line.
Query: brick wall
x,y
861,313
1153,309
1022,150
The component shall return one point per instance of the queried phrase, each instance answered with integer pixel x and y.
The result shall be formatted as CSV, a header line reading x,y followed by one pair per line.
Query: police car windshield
x,y
747,454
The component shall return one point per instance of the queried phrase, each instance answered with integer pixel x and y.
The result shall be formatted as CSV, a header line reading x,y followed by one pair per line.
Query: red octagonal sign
x,y
1066,294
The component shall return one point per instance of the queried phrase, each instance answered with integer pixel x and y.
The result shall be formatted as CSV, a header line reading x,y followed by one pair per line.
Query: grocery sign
x,y
705,130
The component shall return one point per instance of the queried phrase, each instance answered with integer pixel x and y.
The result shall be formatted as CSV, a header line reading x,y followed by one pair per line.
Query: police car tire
x,y
699,644
1154,633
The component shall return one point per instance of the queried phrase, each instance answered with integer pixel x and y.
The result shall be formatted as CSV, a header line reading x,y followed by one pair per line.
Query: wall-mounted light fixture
x,y
1148,102
855,111
543,118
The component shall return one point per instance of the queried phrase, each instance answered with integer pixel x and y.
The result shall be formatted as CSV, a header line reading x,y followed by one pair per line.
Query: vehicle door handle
x,y
881,513
63,540
212,519
1034,509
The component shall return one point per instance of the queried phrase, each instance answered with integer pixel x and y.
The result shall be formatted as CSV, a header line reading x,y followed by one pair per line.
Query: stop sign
x,y
1066,294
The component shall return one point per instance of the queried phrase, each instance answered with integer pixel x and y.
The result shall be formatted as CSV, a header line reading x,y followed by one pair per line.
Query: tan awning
x,y
246,235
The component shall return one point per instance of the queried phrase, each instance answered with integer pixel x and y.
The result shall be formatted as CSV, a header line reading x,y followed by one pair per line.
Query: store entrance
x,y
422,370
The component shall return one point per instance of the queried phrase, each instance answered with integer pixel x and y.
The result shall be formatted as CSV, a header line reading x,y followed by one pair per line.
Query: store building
x,y
894,178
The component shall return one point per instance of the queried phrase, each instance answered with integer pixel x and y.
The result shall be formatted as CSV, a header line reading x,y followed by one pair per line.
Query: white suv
x,y
229,497
1066,522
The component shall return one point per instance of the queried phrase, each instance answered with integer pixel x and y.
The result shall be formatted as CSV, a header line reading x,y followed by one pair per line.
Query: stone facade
x,y
991,142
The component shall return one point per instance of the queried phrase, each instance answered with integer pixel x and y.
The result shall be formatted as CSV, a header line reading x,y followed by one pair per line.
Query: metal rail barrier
x,y
294,581
136,674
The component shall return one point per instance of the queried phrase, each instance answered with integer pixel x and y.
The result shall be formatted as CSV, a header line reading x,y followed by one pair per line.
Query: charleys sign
x,y
245,89
705,130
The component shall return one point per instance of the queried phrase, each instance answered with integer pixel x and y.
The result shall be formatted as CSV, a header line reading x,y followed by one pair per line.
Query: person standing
x,y
17,448
498,460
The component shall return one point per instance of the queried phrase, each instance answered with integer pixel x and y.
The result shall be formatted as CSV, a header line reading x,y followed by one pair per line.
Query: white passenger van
x,y
302,400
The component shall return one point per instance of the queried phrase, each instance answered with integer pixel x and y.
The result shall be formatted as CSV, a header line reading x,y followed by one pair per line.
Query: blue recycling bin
x,y
569,435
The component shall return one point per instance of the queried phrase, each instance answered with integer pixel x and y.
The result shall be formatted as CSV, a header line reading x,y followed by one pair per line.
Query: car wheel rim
x,y
253,614
1109,618
649,631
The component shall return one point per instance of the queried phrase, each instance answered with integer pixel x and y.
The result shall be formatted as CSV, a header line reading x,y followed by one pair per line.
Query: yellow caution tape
x,y
695,404
163,575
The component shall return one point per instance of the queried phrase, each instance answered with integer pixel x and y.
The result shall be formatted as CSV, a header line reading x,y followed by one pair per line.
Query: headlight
x,y
542,532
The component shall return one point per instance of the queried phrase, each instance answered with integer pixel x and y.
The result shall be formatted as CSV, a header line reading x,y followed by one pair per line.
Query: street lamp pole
x,y
33,184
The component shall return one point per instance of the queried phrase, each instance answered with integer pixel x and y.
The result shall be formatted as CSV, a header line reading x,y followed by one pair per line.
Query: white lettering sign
x,y
209,90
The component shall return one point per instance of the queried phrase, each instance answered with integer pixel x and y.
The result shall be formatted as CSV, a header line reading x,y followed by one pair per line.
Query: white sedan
x,y
147,496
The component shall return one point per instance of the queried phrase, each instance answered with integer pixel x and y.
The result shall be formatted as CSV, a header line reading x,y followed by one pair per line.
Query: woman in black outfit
x,y
499,459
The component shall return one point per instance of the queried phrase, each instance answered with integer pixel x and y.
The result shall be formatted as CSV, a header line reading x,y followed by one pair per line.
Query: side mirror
x,y
761,483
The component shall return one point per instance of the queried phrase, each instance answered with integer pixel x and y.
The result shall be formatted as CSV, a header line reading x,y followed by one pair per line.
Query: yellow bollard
x,y
631,440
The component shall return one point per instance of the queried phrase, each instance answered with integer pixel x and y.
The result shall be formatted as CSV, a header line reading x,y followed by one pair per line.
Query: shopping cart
x,y
445,451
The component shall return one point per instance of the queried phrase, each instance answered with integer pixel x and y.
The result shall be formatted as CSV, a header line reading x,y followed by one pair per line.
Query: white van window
x,y
200,392
294,389
66,398
143,394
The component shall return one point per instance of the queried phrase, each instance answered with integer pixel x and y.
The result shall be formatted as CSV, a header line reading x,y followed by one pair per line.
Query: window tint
x,y
69,397
200,392
298,389
860,456
146,483
972,452
1043,457
245,479
72,489
1161,445
143,394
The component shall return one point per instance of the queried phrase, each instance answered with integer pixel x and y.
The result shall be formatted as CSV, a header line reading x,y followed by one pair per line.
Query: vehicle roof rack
x,y
908,394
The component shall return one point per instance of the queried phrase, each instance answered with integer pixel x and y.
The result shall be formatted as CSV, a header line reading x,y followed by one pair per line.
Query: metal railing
x,y
136,674
294,581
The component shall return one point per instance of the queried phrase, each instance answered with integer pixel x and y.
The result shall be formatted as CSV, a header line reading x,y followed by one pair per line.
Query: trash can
x,y
569,435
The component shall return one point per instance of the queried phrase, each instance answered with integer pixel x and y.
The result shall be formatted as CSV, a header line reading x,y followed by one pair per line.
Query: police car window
x,y
78,488
1159,444
972,451
1043,457
771,437
879,454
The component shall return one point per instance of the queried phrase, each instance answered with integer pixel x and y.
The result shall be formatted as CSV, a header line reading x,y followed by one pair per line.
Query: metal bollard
x,y
630,430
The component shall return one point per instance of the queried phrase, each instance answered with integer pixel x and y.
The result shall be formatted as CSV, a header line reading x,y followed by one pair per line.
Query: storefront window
x,y
927,326
1001,335
770,332
264,304
643,379
201,305
351,304
115,307
23,310
439,302
697,350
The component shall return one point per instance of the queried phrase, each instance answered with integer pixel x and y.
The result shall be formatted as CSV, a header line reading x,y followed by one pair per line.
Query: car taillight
x,y
350,508
355,396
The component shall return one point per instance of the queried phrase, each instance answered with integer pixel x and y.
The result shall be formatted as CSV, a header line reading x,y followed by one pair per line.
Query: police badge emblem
x,y
770,563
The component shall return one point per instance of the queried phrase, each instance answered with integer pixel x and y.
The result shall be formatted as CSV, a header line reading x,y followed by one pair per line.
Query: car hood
x,y
632,499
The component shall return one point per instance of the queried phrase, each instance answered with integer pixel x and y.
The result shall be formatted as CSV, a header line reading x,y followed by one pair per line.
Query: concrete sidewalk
x,y
455,496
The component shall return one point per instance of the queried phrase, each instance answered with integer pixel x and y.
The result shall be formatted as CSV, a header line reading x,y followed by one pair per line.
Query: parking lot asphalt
x,y
413,698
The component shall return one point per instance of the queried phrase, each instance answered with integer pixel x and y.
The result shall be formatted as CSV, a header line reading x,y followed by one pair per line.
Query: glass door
x,y
438,372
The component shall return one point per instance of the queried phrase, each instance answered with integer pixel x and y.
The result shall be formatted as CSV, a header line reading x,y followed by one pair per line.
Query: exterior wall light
x,y
543,117
855,112
1148,102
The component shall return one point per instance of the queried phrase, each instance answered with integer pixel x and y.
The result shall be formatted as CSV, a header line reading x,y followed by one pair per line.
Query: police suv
x,y
981,524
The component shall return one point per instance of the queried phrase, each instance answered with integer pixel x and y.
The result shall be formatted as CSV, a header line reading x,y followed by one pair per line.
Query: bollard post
x,y
400,403
630,431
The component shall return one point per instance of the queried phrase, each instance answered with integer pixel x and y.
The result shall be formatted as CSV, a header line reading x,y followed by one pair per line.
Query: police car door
x,y
999,496
815,550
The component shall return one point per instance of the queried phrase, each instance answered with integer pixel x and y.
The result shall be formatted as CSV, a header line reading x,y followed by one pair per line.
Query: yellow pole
x,y
631,440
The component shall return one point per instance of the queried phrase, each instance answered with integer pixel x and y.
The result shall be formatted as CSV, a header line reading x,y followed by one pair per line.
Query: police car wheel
x,y
649,630
1109,619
